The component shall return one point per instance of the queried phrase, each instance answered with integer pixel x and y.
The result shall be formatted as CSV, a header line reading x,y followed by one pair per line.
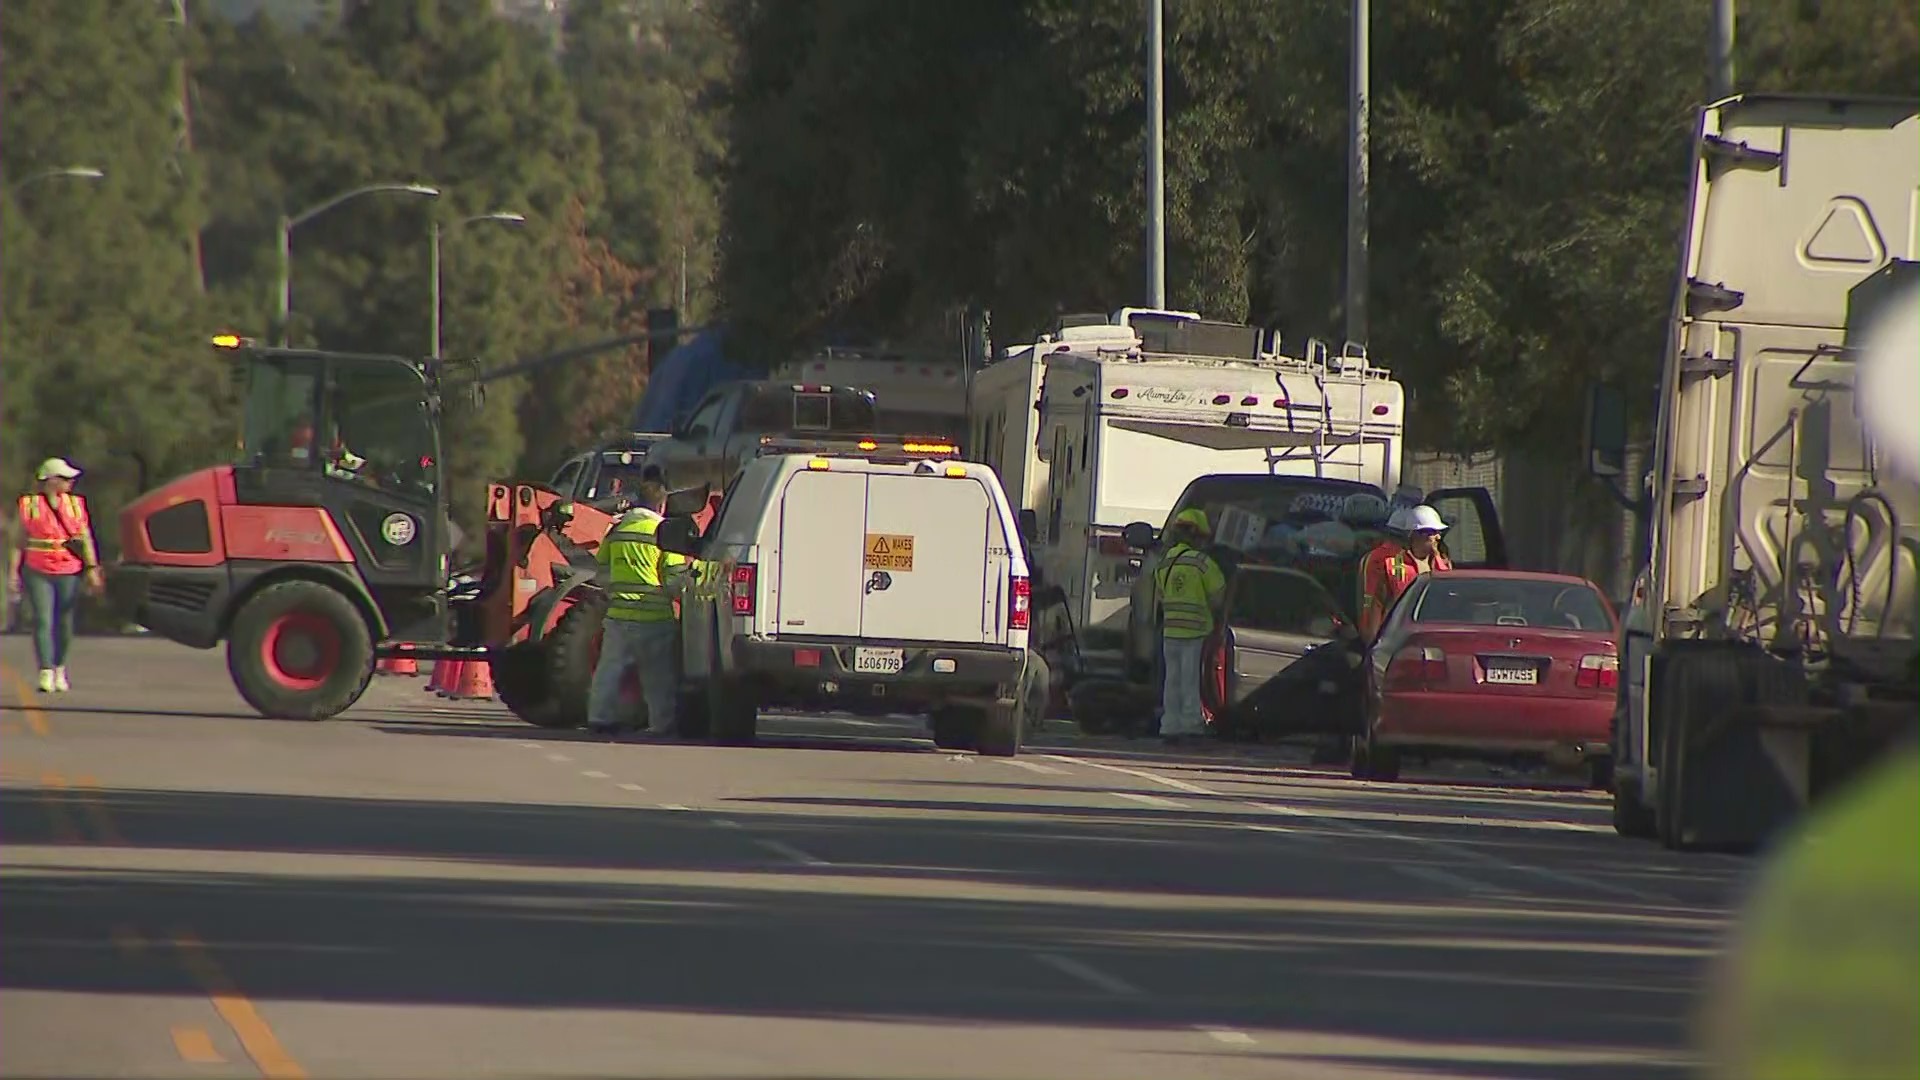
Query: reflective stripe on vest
x,y
639,598
1186,616
45,550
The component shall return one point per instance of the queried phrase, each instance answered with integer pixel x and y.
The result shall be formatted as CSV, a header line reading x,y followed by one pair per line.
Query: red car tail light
x,y
1021,613
1598,672
740,588
1418,664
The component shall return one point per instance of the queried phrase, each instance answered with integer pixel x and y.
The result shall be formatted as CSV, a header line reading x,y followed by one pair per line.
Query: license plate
x,y
1513,676
878,661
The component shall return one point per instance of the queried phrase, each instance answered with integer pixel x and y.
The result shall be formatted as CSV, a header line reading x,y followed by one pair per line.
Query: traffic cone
x,y
398,665
474,682
446,675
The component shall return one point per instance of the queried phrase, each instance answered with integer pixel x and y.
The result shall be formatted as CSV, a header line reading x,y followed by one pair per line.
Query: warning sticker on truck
x,y
887,551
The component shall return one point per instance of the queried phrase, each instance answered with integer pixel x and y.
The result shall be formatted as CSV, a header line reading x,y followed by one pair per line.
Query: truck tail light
x,y
1418,664
740,588
1021,613
1598,672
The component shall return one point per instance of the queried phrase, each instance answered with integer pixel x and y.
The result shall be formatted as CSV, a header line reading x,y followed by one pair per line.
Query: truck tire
x,y
999,729
571,651
733,712
955,729
1699,686
520,678
300,650
1631,818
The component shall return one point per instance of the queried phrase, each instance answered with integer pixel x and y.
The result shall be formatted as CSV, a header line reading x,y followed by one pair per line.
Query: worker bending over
x,y
642,627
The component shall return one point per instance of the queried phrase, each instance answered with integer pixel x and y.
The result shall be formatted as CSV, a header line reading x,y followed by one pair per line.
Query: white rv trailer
x,y
1121,436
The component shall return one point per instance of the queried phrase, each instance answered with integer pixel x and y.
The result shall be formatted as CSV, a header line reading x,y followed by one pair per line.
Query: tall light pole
x,y
1357,269
509,217
288,224
77,172
1156,159
1720,50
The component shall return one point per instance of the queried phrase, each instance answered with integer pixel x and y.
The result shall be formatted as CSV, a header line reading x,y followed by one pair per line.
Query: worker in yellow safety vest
x,y
642,627
1191,586
56,558
1819,982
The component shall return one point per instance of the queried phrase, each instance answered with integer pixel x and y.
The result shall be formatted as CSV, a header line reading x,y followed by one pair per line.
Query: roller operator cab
x,y
863,579
327,534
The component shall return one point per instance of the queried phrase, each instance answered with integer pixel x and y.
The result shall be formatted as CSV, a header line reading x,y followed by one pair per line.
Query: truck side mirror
x,y
679,535
1606,431
1138,536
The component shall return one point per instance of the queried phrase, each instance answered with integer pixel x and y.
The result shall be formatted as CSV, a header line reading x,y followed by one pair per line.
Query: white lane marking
x,y
1034,766
673,806
1226,1035
529,745
723,823
1154,801
1177,785
1300,835
594,773
1448,879
558,757
1086,973
631,787
788,851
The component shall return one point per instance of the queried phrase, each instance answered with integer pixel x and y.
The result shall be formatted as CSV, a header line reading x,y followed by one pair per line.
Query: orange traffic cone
x,y
398,665
474,682
446,675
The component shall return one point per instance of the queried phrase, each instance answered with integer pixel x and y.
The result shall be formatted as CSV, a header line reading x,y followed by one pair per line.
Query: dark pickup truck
x,y
605,478
738,421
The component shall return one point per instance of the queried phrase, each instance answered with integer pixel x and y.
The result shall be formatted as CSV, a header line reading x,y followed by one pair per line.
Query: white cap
x,y
1424,518
59,467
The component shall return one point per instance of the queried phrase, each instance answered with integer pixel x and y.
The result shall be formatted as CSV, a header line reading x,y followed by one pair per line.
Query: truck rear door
x,y
926,555
822,530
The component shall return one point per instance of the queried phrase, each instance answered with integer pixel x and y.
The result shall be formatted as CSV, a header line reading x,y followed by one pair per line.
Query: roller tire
x,y
570,653
520,678
331,629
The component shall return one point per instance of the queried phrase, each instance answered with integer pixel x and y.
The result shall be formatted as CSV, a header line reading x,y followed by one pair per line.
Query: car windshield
x,y
1487,601
617,477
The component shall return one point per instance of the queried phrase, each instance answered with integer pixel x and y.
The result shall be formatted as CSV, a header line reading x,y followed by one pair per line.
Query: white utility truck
x,y
1124,434
1770,644
865,578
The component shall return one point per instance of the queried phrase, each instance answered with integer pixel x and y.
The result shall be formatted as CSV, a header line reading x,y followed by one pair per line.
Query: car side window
x,y
705,414
563,480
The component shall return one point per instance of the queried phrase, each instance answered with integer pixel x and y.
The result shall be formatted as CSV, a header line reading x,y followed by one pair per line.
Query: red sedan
x,y
1494,664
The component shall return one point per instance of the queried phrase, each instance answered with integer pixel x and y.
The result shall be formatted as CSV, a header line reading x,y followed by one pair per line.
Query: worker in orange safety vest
x,y
49,567
1393,564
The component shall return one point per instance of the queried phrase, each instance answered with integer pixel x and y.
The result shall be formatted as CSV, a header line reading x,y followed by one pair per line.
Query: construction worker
x,y
1191,588
1819,980
57,556
641,626
1393,563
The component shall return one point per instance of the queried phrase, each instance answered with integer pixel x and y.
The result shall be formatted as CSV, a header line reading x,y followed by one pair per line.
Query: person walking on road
x,y
56,558
1393,564
641,627
1191,587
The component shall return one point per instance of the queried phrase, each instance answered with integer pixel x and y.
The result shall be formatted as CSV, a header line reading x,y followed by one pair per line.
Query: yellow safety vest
x,y
1190,581
1823,980
639,570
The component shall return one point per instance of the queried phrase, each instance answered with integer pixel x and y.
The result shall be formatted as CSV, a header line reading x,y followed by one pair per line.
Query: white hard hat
x,y
59,467
1424,518
1400,521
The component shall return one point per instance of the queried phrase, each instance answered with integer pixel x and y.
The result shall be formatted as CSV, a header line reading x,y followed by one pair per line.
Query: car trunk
x,y
891,557
1520,661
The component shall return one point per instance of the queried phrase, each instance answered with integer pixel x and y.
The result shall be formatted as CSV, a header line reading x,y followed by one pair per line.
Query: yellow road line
x,y
105,831
255,1036
64,830
196,1046
36,720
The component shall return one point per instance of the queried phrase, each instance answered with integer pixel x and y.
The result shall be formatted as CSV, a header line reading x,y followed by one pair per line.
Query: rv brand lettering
x,y
1164,395
294,536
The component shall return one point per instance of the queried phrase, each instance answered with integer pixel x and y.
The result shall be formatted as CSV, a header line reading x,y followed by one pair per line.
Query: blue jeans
x,y
655,647
53,598
1180,698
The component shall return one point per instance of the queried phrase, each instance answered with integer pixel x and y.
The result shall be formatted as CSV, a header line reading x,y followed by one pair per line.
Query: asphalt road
x,y
427,888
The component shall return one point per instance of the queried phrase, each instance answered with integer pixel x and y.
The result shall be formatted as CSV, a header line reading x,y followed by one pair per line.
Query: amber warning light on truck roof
x,y
230,341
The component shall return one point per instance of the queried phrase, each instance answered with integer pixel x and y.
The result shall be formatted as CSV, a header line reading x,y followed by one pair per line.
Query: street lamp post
x,y
509,217
288,224
77,172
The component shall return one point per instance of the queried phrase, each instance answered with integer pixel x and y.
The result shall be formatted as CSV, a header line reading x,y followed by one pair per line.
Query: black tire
x,y
1696,687
999,730
520,678
733,712
955,729
1600,774
300,650
1383,762
1630,818
570,652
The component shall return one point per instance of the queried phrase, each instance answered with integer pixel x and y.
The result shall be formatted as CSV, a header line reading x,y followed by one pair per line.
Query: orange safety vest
x,y
48,527
1384,575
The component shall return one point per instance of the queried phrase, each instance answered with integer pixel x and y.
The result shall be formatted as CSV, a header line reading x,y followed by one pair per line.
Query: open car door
x,y
1274,617
1474,540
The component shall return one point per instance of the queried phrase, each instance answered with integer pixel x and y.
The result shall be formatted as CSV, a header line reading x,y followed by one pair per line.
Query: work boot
x,y
46,680
60,679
